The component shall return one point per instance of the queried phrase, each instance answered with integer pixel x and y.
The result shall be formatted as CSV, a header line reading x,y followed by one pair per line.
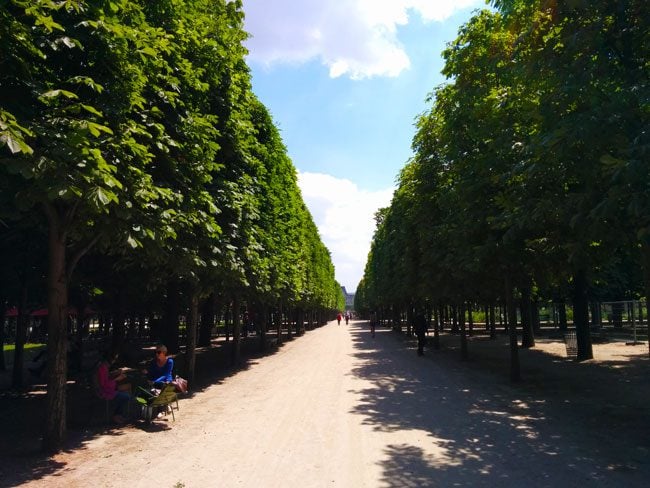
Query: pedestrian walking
x,y
420,332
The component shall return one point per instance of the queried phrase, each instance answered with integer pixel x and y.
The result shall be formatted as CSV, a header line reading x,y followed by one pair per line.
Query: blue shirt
x,y
161,374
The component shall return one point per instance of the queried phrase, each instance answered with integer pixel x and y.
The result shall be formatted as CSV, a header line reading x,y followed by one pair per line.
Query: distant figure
x,y
338,318
347,317
373,323
420,331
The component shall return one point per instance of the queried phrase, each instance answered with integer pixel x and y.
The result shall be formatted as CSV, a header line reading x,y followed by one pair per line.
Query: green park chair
x,y
166,400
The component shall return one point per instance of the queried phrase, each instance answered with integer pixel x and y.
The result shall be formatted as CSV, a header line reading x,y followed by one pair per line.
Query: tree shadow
x,y
23,412
464,424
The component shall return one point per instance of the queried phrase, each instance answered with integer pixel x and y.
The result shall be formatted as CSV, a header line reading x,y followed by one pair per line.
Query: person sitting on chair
x,y
161,367
110,387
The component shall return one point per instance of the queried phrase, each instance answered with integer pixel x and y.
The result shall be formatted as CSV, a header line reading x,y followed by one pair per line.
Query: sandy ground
x,y
336,407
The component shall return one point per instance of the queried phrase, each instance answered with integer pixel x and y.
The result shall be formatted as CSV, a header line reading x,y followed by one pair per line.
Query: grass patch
x,y
29,345
31,350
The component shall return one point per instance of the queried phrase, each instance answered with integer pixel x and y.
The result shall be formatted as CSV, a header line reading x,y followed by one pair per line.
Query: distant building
x,y
349,299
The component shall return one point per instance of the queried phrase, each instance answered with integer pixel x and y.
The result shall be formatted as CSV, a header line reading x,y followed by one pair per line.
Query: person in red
x,y
110,387
338,318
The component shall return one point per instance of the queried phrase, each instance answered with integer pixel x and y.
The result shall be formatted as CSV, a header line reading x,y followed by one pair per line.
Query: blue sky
x,y
344,81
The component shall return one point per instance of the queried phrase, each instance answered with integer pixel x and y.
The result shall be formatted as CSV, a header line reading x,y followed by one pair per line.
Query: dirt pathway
x,y
338,408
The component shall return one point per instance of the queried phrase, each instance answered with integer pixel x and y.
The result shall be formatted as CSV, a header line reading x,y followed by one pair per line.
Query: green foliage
x,y
136,121
531,161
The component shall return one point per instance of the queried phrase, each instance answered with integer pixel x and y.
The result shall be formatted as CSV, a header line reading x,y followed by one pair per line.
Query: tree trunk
x,y
57,298
493,322
454,319
21,335
561,311
300,321
227,317
463,333
527,337
595,313
515,370
3,311
470,318
192,324
236,332
278,323
537,326
207,320
82,331
617,315
486,311
289,317
142,321
119,319
263,314
645,251
170,330
581,315
436,327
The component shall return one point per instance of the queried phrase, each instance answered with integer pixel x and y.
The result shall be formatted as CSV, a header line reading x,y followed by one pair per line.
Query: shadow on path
x,y
23,414
469,428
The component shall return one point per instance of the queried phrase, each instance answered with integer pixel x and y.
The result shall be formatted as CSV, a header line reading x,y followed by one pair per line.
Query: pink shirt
x,y
107,386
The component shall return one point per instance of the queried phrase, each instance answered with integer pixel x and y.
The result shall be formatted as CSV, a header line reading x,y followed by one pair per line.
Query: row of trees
x,y
531,173
137,165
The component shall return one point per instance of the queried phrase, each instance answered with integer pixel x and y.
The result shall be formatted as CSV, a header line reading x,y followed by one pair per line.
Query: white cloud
x,y
344,215
351,37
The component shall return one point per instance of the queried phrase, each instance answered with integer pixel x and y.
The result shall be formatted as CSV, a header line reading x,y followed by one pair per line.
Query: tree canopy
x,y
530,170
133,149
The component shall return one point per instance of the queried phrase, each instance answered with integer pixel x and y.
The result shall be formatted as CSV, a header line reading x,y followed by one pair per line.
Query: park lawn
x,y
36,345
31,350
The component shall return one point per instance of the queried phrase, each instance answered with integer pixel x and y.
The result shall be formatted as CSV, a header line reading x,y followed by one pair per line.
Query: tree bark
x,y
515,370
527,337
119,319
57,284
561,311
470,319
493,323
263,317
207,320
300,321
3,310
645,251
236,332
464,355
436,327
227,317
81,332
537,326
278,323
170,329
454,319
21,332
581,315
289,317
192,323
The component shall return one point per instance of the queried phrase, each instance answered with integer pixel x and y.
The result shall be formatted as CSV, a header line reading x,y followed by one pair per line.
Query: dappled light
x,y
450,429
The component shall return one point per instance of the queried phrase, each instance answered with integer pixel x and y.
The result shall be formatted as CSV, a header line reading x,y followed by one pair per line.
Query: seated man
x,y
161,367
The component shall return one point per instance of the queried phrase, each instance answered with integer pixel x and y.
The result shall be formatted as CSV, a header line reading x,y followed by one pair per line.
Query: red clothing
x,y
107,385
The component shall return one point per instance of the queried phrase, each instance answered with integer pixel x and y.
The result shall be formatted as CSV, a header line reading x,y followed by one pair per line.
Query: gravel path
x,y
336,407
